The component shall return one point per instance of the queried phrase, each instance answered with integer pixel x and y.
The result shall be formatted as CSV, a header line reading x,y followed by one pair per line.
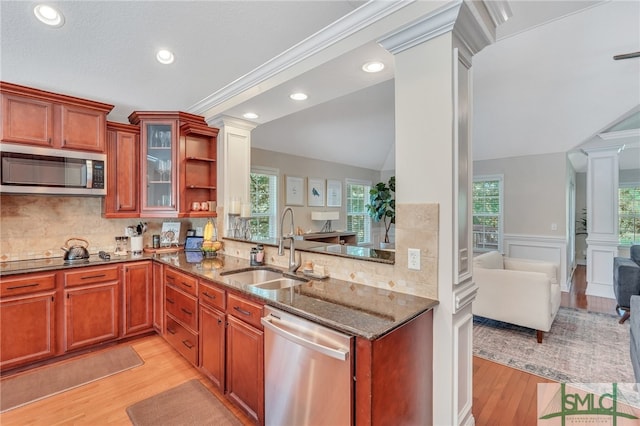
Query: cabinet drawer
x,y
181,281
245,310
90,276
212,296
182,306
29,283
183,340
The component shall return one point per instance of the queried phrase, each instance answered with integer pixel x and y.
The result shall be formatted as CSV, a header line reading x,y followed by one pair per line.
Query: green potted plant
x,y
382,205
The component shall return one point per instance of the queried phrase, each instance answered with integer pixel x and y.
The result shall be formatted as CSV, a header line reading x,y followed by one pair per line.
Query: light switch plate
x,y
414,259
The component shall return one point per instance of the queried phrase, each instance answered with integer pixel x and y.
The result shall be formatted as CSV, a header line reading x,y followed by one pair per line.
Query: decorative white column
x,y
433,153
602,218
234,161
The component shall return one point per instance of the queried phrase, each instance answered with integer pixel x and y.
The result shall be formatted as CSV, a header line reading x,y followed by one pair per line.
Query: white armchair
x,y
518,291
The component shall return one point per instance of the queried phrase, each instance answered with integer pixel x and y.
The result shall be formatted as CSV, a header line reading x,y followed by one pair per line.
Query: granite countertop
x,y
349,307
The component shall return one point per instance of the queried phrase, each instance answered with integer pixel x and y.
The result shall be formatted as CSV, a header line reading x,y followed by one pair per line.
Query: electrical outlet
x,y
414,259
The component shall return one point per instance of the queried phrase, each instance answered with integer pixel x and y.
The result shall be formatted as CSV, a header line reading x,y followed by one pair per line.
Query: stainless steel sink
x,y
262,278
253,276
278,284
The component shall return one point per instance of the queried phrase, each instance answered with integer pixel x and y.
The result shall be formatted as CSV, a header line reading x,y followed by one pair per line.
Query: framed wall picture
x,y
315,192
334,193
294,191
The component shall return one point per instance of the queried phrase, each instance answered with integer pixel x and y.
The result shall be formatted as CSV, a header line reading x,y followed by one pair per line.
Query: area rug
x,y
581,347
190,403
51,380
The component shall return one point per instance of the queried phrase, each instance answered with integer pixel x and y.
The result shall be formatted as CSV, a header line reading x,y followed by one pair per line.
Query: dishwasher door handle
x,y
337,353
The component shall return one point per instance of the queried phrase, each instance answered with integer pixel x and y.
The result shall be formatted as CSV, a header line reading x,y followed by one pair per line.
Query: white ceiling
x,y
105,51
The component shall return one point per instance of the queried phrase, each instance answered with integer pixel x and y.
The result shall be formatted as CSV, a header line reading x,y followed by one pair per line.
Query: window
x,y
629,214
263,193
358,219
487,213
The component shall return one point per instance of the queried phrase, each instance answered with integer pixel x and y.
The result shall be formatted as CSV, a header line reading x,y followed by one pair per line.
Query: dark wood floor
x,y
506,396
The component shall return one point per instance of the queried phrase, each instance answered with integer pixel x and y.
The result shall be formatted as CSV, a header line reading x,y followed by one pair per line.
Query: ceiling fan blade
x,y
627,56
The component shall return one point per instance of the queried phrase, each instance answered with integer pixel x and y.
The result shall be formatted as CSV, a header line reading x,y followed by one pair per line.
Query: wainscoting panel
x,y
463,373
600,269
541,248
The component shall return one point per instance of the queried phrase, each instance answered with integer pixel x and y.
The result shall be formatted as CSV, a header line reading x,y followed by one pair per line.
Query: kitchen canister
x,y
136,245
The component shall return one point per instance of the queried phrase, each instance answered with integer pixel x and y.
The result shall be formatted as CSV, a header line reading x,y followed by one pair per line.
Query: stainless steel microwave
x,y
26,169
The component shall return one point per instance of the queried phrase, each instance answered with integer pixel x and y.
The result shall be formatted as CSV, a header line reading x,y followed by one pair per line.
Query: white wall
x,y
553,87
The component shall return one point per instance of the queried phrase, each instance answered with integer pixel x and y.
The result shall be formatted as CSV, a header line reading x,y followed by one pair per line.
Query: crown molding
x,y
473,23
499,11
349,24
440,21
220,121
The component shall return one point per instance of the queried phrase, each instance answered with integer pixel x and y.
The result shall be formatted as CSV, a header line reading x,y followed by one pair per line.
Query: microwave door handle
x,y
89,174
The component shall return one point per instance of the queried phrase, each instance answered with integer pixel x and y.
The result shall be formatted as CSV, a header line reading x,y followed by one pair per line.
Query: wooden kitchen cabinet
x,y
181,313
393,370
181,306
138,297
177,163
158,297
26,120
36,117
245,356
212,333
123,152
91,301
198,177
212,345
184,282
27,319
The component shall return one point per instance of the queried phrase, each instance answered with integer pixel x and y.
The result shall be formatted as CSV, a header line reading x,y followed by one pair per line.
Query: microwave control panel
x,y
98,174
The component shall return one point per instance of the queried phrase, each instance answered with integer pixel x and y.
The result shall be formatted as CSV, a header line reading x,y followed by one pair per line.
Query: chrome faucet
x,y
293,263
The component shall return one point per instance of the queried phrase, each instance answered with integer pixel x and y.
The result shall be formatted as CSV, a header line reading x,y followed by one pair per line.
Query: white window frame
x,y
273,214
620,186
500,179
367,223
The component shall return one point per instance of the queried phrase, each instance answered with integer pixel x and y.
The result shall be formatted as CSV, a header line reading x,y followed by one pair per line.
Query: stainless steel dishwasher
x,y
308,372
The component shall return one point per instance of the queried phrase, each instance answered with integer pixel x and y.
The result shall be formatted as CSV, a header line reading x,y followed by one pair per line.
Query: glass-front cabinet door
x,y
158,168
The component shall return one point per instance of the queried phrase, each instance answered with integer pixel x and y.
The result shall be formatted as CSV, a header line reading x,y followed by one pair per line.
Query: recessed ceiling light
x,y
373,66
250,115
299,96
165,56
49,15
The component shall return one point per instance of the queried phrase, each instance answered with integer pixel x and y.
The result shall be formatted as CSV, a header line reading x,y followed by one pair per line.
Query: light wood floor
x,y
501,395
104,402
505,396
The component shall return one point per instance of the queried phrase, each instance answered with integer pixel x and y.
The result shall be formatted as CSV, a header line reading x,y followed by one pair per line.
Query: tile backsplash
x,y
37,226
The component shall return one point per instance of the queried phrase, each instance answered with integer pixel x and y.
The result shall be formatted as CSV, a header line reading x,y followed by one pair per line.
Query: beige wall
x,y
309,168
535,195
